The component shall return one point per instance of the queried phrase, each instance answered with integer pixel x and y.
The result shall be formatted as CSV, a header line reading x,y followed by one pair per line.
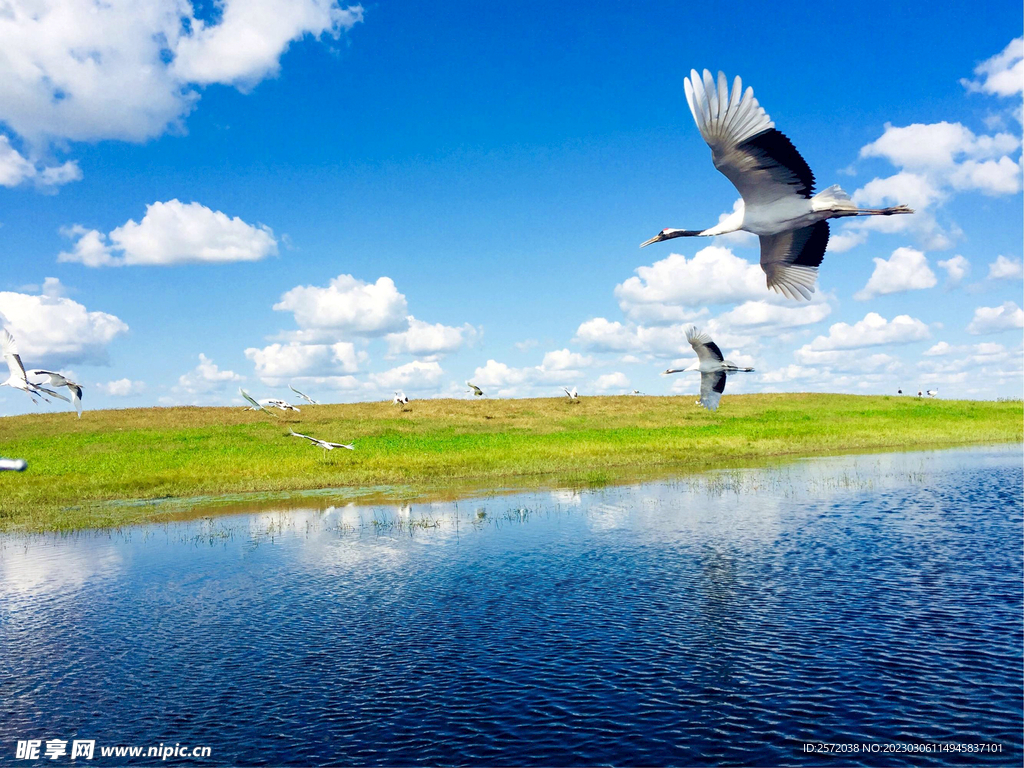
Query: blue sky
x,y
429,195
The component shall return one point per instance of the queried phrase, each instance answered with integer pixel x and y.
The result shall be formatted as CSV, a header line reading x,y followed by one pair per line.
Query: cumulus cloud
x,y
906,270
995,319
941,348
1002,74
873,330
1006,269
172,233
417,375
429,340
278,364
348,305
16,169
930,146
128,69
122,388
206,378
564,360
610,381
53,330
558,368
956,270
763,317
713,276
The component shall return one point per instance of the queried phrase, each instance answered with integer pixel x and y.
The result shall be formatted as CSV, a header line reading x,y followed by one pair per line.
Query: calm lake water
x,y
730,617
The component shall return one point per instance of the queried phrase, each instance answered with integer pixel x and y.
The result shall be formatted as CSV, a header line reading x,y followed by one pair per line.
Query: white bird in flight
x,y
327,446
18,379
13,465
303,395
59,380
255,406
774,181
281,405
572,394
712,365
477,392
932,392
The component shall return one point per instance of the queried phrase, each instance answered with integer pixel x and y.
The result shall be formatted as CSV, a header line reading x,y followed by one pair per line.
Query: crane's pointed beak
x,y
656,239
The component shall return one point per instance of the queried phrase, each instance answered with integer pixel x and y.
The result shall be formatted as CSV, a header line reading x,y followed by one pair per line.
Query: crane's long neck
x,y
731,223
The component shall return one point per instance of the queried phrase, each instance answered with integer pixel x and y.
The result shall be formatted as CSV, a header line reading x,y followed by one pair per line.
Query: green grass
x,y
442,447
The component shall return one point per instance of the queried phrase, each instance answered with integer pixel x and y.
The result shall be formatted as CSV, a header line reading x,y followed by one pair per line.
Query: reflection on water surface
x,y
728,617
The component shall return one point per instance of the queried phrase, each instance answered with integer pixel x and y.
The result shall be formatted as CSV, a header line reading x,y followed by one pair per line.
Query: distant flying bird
x,y
18,379
13,465
400,399
477,392
59,380
303,395
932,392
255,405
899,391
774,181
573,396
323,443
712,365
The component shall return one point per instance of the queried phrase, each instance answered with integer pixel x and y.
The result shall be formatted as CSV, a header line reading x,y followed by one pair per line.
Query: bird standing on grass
x,y
774,181
59,380
323,443
712,365
18,379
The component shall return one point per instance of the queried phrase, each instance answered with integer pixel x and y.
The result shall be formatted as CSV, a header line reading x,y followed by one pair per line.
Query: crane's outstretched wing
x,y
351,447
255,405
790,259
10,353
761,162
702,344
712,385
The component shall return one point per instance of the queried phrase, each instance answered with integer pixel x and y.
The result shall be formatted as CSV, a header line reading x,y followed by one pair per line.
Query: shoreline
x,y
147,465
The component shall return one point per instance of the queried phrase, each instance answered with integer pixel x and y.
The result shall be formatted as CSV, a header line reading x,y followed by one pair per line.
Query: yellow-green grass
x,y
442,447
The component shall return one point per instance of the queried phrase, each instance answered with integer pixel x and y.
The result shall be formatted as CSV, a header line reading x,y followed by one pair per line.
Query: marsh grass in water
x,y
439,446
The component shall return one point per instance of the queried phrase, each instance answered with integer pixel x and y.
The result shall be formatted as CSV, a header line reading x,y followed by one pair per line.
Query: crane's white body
x,y
400,399
17,378
571,394
60,380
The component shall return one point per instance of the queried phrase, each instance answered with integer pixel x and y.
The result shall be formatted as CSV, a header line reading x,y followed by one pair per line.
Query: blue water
x,y
728,618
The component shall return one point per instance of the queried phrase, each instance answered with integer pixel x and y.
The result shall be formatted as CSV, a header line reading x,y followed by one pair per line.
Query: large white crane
x,y
712,365
775,182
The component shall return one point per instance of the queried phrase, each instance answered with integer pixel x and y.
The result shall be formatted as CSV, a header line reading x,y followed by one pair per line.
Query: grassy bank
x,y
442,444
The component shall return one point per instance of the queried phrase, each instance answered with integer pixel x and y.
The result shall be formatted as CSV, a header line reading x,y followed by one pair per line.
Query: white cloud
x,y
906,270
713,276
15,169
428,340
348,305
277,364
1002,74
942,348
526,344
127,69
610,381
417,375
990,177
205,378
564,360
1005,269
51,329
925,147
122,388
956,269
172,233
845,240
873,330
995,319
767,318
